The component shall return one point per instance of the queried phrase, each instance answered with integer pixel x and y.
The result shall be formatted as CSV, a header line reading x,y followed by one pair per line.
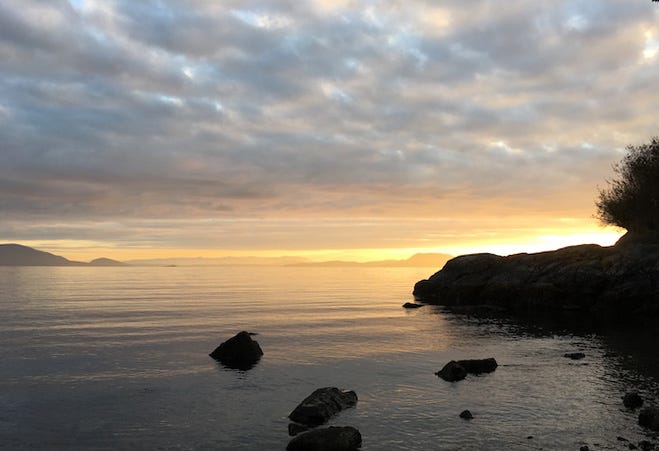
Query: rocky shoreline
x,y
620,280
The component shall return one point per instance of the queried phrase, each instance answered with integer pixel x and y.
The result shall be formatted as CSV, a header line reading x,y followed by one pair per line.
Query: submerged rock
x,y
412,305
458,370
344,438
632,400
321,405
239,352
574,355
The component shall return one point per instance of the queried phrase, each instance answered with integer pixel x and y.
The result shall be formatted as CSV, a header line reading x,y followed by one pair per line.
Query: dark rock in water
x,y
321,405
412,305
295,429
632,400
452,372
478,366
345,438
574,355
620,280
584,448
466,414
458,370
649,418
239,352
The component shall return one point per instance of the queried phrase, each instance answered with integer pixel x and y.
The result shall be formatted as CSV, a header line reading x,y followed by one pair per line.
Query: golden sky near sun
x,y
328,129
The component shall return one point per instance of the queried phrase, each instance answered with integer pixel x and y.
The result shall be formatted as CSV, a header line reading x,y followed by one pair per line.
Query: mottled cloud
x,y
236,117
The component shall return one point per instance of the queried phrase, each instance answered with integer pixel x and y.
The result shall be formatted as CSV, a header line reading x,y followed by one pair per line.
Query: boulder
x,y
321,405
466,415
649,418
239,352
632,400
452,372
412,305
344,438
574,355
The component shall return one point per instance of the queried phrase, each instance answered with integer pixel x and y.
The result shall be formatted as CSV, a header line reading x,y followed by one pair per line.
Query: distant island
x,y
20,255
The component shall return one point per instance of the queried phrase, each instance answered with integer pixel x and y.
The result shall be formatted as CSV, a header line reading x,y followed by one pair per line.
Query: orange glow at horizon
x,y
504,245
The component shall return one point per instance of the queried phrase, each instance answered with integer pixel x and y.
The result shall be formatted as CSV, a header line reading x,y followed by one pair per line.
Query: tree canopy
x,y
631,200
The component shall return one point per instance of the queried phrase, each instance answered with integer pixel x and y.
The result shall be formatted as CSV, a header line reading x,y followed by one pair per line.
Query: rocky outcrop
x,y
574,355
345,438
238,352
321,405
412,305
455,371
621,279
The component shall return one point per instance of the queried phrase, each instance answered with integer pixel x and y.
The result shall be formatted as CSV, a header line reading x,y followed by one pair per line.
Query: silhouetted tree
x,y
631,201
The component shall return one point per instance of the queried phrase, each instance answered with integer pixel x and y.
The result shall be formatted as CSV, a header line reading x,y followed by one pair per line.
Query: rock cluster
x,y
317,409
455,371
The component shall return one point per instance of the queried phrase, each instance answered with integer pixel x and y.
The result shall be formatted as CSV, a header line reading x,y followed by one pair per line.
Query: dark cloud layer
x,y
115,111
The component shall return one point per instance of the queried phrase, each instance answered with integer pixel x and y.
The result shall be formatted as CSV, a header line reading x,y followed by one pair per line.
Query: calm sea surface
x,y
117,358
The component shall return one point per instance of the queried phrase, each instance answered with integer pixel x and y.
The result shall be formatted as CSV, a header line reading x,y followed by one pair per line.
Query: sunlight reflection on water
x,y
99,358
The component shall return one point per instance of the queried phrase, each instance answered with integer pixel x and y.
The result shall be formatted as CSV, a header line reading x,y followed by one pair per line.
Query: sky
x,y
330,129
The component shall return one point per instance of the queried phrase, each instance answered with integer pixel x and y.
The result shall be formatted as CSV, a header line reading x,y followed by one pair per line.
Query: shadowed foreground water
x,y
117,358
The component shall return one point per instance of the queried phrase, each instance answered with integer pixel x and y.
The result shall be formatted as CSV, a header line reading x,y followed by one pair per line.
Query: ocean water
x,y
117,358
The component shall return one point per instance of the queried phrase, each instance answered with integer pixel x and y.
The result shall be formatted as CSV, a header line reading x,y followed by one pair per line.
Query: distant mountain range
x,y
417,260
19,255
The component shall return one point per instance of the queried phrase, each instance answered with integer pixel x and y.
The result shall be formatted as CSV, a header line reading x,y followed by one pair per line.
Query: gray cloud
x,y
166,109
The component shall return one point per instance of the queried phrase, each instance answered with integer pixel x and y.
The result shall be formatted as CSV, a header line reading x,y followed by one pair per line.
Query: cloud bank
x,y
251,124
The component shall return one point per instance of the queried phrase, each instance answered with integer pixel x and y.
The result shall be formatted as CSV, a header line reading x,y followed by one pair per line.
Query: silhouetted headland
x,y
617,280
19,255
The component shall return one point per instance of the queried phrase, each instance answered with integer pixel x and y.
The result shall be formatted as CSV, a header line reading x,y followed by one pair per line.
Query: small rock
x,y
465,414
452,372
649,418
321,405
621,439
584,448
574,355
412,305
239,352
632,400
345,438
529,437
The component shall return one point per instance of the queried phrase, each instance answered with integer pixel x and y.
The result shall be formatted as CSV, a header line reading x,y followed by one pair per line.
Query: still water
x,y
117,358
